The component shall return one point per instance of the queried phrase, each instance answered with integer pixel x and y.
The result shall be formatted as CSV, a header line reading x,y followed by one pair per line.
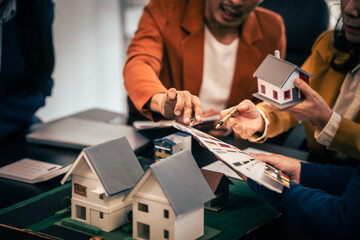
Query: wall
x,y
89,53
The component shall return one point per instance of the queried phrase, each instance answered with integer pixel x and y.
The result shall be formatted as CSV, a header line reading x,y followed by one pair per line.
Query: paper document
x,y
239,161
167,123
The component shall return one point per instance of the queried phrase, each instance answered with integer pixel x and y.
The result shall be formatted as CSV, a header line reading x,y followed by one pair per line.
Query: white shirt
x,y
218,72
347,105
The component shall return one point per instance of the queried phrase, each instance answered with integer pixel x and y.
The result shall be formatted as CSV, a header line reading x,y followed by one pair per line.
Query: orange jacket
x,y
168,48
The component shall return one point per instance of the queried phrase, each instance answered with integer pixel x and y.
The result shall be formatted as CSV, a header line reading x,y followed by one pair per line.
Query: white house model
x,y
275,79
102,176
169,145
168,201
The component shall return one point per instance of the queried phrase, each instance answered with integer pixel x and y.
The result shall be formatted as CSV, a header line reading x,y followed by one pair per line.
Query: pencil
x,y
229,115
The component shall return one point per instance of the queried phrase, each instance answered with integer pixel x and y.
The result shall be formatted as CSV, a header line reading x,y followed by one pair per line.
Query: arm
x,y
315,210
143,66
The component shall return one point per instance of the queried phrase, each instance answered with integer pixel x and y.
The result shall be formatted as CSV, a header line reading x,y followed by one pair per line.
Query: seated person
x,y
323,199
186,52
330,111
27,61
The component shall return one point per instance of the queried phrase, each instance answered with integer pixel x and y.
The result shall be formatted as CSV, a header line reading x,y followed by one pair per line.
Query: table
x,y
15,147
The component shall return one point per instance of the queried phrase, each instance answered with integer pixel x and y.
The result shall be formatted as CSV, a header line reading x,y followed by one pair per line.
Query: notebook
x,y
78,133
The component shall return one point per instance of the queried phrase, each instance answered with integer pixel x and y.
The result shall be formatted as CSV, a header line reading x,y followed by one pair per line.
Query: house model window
x,y
81,212
275,79
263,89
80,189
166,234
143,207
275,95
101,215
101,196
166,213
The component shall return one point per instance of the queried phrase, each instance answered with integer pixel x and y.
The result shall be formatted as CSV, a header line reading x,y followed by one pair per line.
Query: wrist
x,y
155,102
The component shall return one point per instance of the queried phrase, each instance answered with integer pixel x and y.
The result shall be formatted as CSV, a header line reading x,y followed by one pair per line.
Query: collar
x,y
8,10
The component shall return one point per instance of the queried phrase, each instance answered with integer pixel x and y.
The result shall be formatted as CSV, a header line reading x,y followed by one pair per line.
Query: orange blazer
x,y
168,48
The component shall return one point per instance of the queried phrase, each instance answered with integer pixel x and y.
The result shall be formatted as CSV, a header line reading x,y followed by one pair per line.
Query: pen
x,y
229,115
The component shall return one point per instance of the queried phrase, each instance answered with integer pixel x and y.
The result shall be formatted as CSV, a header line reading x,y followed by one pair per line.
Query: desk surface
x,y
15,147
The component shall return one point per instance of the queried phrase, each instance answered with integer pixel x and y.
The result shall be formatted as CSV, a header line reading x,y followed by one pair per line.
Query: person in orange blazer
x,y
163,73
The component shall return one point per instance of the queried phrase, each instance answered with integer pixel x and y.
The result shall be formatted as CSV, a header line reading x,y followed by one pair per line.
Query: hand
x,y
178,105
221,132
290,166
313,109
246,121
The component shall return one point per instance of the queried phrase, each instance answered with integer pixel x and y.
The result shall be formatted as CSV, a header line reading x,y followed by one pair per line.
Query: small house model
x,y
168,201
102,176
169,145
219,185
275,79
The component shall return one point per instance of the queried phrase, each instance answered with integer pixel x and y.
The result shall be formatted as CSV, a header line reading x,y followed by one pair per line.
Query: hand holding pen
x,y
245,119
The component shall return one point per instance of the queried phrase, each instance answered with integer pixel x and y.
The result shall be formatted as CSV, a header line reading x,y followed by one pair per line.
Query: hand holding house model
x,y
275,78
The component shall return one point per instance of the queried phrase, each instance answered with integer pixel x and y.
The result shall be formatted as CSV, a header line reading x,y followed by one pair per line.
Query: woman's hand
x,y
290,166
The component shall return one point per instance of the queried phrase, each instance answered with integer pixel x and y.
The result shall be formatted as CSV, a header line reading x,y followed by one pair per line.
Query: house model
x,y
219,184
275,79
102,176
168,201
169,145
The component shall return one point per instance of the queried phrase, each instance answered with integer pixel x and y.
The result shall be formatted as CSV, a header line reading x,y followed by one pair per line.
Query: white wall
x,y
90,53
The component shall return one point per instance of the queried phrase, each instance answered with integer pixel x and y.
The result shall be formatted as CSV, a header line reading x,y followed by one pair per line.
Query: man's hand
x,y
289,166
178,105
313,109
246,121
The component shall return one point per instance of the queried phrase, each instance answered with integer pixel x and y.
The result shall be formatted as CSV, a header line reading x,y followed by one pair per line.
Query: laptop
x,y
78,133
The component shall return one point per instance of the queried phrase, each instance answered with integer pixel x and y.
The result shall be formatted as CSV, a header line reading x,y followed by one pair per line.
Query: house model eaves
x,y
175,185
114,164
275,82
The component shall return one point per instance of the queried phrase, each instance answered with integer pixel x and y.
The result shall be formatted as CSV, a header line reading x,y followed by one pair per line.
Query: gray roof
x,y
182,182
276,71
115,164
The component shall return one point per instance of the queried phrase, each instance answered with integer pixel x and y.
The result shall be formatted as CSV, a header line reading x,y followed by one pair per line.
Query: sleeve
x,y
144,57
317,211
347,139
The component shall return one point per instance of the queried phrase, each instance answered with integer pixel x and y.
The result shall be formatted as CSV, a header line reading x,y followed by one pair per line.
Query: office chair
x,y
304,21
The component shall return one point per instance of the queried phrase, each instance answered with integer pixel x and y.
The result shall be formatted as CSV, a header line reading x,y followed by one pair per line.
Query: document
x,y
239,161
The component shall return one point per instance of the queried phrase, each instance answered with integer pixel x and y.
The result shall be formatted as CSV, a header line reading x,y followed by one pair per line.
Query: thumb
x,y
303,87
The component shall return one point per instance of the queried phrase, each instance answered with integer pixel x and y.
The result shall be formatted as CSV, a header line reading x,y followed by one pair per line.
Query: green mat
x,y
245,212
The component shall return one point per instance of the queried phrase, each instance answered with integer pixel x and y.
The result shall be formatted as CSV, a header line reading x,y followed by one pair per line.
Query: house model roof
x,y
173,139
276,71
181,180
114,163
214,178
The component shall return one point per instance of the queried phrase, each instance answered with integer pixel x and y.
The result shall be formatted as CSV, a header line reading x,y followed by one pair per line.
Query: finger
x,y
197,109
180,103
171,94
223,113
184,105
304,87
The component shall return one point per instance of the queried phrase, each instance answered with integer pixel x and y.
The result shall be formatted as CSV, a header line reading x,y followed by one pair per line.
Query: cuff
x,y
256,137
325,136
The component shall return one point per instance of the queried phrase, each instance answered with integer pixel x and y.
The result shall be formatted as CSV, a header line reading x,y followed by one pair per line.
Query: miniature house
x,y
168,201
219,184
102,176
275,79
169,145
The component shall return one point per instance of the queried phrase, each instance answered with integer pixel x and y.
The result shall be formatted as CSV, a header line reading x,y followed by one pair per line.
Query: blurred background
x,y
90,40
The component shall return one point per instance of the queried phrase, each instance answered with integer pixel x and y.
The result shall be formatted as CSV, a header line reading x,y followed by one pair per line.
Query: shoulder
x,y
324,45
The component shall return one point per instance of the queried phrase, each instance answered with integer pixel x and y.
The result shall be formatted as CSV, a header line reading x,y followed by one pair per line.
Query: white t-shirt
x,y
218,72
